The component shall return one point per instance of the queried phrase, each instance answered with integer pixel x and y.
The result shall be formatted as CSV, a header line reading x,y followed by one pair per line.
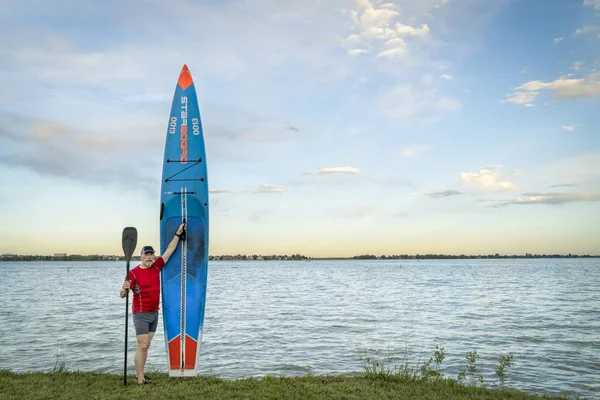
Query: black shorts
x,y
145,322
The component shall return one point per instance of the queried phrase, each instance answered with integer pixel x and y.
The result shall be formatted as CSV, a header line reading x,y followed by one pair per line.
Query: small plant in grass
x,y
505,361
469,372
437,358
469,375
375,369
59,366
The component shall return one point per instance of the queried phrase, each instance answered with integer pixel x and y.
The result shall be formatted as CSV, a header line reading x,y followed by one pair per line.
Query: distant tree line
x,y
97,257
243,257
464,256
71,257
253,257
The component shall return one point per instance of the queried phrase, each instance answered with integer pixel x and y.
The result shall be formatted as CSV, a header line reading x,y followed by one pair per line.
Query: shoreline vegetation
x,y
294,257
381,379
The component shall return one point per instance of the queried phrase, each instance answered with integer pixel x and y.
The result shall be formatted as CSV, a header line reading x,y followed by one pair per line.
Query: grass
x,y
89,385
381,380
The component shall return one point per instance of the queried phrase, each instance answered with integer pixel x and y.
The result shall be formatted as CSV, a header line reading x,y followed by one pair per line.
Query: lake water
x,y
288,318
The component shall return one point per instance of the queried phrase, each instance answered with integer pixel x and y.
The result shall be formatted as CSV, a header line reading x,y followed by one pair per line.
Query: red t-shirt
x,y
145,283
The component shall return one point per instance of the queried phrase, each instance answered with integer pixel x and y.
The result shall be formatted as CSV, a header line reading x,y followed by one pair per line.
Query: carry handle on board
x,y
129,242
183,235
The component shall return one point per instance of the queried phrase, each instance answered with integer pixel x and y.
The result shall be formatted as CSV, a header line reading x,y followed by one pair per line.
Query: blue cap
x,y
147,249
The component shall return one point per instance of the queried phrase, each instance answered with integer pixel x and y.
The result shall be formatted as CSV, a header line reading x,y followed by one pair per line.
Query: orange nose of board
x,y
185,78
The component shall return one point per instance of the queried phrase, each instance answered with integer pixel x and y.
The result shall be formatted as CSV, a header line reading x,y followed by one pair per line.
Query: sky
x,y
333,128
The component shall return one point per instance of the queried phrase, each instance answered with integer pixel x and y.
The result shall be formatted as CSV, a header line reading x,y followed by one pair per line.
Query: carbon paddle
x,y
129,242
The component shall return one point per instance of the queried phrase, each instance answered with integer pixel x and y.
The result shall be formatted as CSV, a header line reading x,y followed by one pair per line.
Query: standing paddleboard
x,y
184,197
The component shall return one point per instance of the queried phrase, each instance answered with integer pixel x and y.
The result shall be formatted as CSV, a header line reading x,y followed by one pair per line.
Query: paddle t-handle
x,y
129,242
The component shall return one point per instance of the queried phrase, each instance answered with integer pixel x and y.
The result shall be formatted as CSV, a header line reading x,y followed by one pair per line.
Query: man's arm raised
x,y
173,245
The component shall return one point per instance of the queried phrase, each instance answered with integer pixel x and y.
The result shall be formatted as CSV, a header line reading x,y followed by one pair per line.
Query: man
x,y
145,282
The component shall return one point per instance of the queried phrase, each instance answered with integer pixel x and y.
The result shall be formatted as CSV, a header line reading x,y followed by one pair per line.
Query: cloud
x,y
271,189
577,65
393,48
592,3
357,52
261,189
407,100
488,179
557,40
298,41
242,125
334,170
446,193
446,77
521,98
399,214
413,151
564,88
586,29
410,31
550,198
568,128
563,185
376,26
53,149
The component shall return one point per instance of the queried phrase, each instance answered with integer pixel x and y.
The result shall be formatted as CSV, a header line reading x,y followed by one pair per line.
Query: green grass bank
x,y
88,385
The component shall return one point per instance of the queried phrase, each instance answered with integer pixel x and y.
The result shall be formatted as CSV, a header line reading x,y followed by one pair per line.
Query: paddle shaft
x,y
126,329
129,242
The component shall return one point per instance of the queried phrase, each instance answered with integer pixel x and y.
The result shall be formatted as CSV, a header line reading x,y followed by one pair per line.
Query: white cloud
x,y
557,40
487,179
376,23
413,151
521,98
357,52
334,170
560,89
592,3
43,147
550,198
446,193
407,30
407,100
446,77
271,189
568,128
260,189
586,29
578,66
392,6
393,48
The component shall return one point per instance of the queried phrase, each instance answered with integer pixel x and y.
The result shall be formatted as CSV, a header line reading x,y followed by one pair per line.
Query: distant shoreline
x,y
297,257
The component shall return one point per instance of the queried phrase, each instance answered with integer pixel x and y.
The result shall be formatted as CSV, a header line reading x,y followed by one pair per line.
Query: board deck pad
x,y
184,197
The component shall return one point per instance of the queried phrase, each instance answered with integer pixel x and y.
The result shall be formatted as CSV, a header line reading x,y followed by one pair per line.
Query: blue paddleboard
x,y
184,197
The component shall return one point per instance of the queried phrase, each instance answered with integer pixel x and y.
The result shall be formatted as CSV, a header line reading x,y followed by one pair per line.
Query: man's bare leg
x,y
141,354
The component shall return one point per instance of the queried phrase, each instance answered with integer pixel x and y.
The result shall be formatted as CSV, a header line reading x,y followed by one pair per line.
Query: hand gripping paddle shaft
x,y
129,242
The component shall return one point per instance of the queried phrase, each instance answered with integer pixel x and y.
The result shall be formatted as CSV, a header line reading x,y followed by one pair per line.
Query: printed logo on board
x,y
183,135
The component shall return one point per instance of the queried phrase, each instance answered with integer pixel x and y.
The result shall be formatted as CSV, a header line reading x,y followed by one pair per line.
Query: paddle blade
x,y
129,241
